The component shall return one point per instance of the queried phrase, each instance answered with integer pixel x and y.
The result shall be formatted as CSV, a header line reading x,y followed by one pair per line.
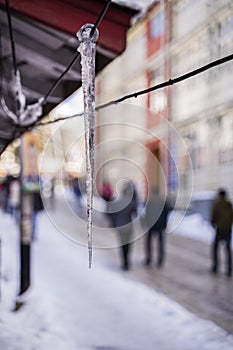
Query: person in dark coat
x,y
77,192
123,210
221,219
37,207
156,213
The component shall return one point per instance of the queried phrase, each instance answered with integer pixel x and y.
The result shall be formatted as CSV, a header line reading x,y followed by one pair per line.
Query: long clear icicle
x,y
87,50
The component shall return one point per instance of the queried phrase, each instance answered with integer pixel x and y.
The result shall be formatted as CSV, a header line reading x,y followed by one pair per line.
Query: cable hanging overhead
x,y
77,56
151,89
135,94
27,116
11,36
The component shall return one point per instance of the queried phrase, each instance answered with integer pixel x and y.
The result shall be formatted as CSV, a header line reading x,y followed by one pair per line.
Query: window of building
x,y
157,25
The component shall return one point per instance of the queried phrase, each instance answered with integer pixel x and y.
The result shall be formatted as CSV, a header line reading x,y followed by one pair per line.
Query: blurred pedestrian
x,y
52,193
6,193
156,213
221,219
14,198
1,195
77,192
123,210
37,207
106,194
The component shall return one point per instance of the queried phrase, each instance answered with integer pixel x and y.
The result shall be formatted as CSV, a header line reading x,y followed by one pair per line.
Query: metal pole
x,y
25,224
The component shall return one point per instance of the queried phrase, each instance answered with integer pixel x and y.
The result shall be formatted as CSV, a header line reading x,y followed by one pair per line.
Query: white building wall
x,y
121,154
189,14
202,107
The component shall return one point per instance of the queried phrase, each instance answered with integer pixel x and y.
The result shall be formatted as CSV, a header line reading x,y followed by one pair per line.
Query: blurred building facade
x,y
192,120
202,107
120,128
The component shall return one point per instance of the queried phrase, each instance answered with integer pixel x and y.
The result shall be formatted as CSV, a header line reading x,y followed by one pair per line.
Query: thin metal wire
x,y
1,79
53,87
96,25
1,72
151,89
1,65
100,18
11,36
169,82
135,94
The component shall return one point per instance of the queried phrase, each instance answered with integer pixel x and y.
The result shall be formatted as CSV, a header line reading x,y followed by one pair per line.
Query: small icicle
x,y
87,50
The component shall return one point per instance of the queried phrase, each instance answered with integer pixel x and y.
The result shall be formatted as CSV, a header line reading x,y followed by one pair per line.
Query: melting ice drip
x,y
87,50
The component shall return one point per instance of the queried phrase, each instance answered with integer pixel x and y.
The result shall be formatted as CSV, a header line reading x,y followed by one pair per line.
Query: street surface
x,y
186,276
70,306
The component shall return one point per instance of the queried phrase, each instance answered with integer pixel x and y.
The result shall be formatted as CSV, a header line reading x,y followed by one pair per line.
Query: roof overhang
x,y
46,42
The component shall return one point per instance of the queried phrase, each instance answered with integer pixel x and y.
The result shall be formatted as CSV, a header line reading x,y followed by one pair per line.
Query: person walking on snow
x,y
123,211
221,219
156,214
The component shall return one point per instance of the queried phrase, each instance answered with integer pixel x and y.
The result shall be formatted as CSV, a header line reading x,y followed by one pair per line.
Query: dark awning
x,y
45,39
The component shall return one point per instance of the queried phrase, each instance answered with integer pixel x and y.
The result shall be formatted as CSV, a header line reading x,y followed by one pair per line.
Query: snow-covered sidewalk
x,y
70,307
192,226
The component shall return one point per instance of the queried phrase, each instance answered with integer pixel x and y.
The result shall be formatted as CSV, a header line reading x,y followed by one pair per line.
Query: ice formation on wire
x,y
87,49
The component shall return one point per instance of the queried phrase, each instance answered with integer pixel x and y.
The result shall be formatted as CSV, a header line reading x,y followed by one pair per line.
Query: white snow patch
x,y
70,307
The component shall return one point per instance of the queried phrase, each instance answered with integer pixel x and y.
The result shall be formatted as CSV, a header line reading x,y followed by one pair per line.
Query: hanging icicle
x,y
87,50
24,115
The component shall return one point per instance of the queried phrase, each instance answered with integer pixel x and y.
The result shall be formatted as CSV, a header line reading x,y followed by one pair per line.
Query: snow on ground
x,y
70,307
193,226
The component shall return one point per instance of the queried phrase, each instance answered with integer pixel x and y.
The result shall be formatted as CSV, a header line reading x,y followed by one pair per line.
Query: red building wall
x,y
158,35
